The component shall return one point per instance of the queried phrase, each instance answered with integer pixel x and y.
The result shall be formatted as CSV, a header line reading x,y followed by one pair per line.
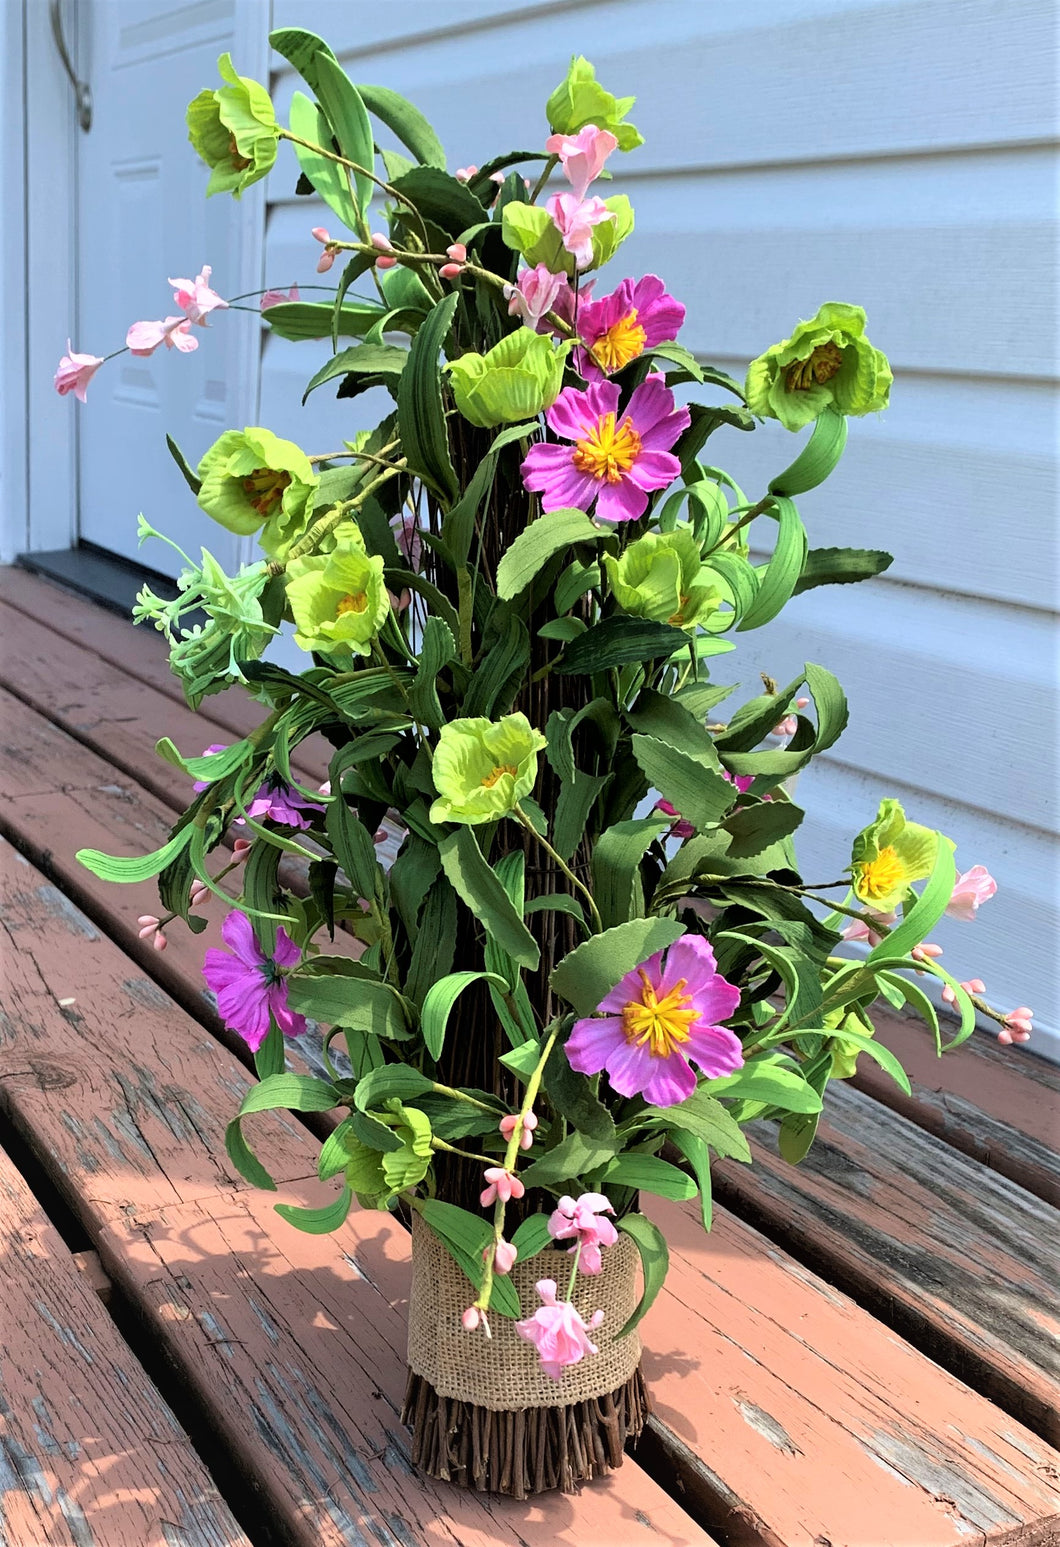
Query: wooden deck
x,y
861,1354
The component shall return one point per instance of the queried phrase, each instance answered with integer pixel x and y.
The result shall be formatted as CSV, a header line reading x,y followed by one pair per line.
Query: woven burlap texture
x,y
504,1372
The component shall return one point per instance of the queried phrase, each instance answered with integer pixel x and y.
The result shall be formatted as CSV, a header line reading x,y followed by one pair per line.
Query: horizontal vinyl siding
x,y
894,154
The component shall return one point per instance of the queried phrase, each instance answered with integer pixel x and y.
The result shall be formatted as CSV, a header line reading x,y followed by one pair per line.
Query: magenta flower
x,y
657,1019
973,888
582,155
557,1331
681,828
277,802
75,372
278,297
143,338
578,1220
620,326
574,219
743,782
615,459
195,298
248,985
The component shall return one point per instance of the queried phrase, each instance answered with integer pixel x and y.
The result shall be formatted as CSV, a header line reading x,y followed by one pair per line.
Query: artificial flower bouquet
x,y
591,959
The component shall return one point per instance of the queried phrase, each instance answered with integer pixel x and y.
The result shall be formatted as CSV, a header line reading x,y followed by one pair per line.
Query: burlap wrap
x,y
504,1372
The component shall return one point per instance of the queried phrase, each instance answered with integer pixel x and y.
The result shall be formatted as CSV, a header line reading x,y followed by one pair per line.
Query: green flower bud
x,y
661,576
826,360
251,479
579,100
531,231
338,600
482,768
889,855
845,1053
234,130
518,378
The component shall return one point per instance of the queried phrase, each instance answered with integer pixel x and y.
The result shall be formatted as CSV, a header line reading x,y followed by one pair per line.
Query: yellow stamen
x,y
622,342
880,876
501,768
240,163
607,452
353,601
662,1023
264,488
820,367
677,618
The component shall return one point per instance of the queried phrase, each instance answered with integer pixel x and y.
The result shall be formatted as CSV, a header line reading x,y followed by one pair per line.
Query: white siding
x,y
893,154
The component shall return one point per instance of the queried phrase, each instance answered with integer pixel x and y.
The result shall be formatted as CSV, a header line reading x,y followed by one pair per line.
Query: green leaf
x,y
830,702
701,797
589,972
459,525
352,846
925,913
883,1055
617,854
346,113
383,361
704,1116
349,1000
421,412
656,714
764,1080
570,1160
698,1156
818,457
841,566
441,199
327,177
780,576
191,478
532,1236
406,121
137,867
522,1060
244,1159
439,1001
620,641
795,1136
654,1261
535,545
295,1092
473,879
320,1221
754,828
465,1237
297,320
437,649
337,1149
435,945
647,1173
573,1098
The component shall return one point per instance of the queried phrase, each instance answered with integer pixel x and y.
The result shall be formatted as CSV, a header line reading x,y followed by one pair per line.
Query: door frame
x,y
39,430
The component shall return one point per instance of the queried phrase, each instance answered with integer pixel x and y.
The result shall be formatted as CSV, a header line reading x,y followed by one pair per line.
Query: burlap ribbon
x,y
504,1372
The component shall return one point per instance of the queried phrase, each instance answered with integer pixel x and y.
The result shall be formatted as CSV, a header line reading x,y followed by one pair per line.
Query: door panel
x,y
143,216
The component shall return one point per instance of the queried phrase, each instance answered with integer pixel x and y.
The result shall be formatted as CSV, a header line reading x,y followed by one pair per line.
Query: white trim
x,y
12,282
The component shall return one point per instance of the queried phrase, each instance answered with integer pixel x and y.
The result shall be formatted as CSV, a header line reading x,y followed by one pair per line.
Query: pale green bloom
x,y
579,99
338,600
518,378
845,1053
827,360
234,130
661,576
531,231
889,855
482,768
250,479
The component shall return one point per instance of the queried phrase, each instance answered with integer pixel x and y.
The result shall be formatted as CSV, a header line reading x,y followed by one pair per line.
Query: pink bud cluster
x,y
526,1128
457,255
151,929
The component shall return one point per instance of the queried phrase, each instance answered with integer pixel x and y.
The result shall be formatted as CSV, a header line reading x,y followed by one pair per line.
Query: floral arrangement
x,y
593,959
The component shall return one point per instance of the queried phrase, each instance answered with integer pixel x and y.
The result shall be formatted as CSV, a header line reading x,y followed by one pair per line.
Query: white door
x,y
142,217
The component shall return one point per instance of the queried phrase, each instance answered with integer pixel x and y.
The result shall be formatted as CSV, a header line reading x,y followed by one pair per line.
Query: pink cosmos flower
x,y
536,292
620,326
249,985
143,338
195,298
574,219
859,929
582,154
557,1331
657,1019
279,297
578,1220
681,828
502,1184
75,372
971,890
614,459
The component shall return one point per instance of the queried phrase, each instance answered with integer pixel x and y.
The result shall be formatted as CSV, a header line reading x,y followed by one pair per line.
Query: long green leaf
x,y
654,1260
135,867
473,879
441,199
406,121
841,566
616,867
817,458
773,1083
701,797
465,1237
348,117
535,545
780,576
320,1221
439,1002
647,1173
327,177
925,912
421,412
620,641
385,361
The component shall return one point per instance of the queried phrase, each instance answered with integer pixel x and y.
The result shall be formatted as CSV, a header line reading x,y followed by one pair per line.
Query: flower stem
x,y
521,815
328,522
574,1271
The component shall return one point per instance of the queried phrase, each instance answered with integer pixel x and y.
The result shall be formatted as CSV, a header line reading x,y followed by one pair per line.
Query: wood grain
x,y
90,1455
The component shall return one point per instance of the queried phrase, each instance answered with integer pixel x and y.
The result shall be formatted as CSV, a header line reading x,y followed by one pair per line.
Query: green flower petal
x,y
515,381
827,360
579,99
234,130
338,600
482,768
252,480
661,576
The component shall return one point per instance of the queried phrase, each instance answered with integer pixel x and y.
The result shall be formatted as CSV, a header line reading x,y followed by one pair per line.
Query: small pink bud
x,y
380,241
320,234
926,952
498,178
147,921
800,703
385,262
971,986
470,1319
465,174
530,1121
504,1257
326,259
159,942
241,848
325,788
380,835
457,251
451,270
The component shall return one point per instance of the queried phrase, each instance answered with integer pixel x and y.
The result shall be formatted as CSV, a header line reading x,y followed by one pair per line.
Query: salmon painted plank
x,y
963,1260
999,1105
90,1455
125,1105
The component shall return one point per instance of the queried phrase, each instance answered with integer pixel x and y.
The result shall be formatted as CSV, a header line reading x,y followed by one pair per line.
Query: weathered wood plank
x,y
90,1455
129,1124
961,1260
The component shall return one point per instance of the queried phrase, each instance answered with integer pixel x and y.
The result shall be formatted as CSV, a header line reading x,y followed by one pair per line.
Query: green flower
x,y
531,231
234,130
661,576
338,600
517,379
483,767
845,1053
888,856
579,100
826,360
251,479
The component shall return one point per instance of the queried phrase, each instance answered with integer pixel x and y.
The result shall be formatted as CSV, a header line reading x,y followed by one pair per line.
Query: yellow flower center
x,y
608,450
820,367
677,618
353,601
661,1023
240,163
881,875
622,342
501,768
264,489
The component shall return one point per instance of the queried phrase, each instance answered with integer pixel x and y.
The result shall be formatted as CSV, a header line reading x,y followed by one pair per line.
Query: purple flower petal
x,y
574,413
621,501
651,404
690,958
286,954
672,1081
290,1022
654,470
550,471
592,1041
629,987
716,1050
237,932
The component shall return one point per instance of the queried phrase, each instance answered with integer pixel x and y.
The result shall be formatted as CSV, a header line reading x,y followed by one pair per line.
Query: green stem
x,y
755,510
328,522
451,1149
548,169
574,1271
521,815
